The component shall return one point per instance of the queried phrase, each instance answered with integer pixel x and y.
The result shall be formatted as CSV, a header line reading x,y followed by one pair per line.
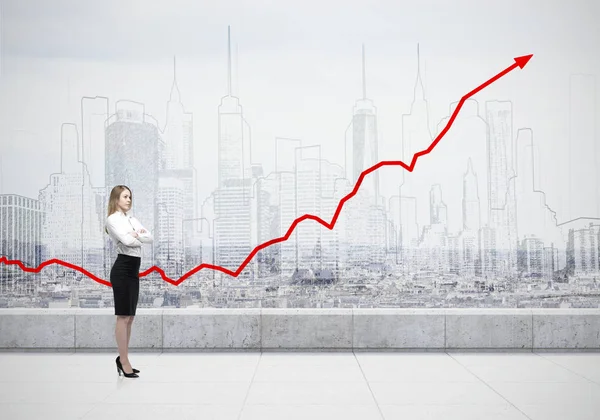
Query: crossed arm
x,y
143,235
131,235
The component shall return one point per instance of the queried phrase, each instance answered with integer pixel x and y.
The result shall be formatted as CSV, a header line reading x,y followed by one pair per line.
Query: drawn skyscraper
x,y
532,257
132,159
234,134
362,143
502,206
529,217
414,190
365,224
266,190
433,248
470,204
331,175
285,165
233,236
72,227
583,251
176,198
438,210
471,222
20,239
94,115
583,168
308,201
534,218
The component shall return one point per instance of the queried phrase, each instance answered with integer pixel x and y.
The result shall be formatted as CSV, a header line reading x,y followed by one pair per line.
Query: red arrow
x,y
523,60
519,62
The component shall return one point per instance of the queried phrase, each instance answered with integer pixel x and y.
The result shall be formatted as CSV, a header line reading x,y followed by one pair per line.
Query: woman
x,y
128,234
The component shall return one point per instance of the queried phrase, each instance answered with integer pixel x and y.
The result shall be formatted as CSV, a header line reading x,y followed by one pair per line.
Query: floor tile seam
x,y
250,386
490,387
567,369
369,386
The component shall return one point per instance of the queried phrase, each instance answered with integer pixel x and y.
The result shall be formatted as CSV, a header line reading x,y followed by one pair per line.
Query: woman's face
x,y
125,201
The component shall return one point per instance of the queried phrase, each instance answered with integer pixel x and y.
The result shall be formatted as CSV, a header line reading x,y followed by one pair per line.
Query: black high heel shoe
x,y
120,370
134,370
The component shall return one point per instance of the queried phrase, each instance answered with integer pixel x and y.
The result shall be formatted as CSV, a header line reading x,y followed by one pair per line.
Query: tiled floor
x,y
294,386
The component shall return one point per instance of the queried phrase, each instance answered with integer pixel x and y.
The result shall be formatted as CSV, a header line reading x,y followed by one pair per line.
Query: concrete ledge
x,y
210,329
40,329
95,329
566,328
305,329
491,329
399,329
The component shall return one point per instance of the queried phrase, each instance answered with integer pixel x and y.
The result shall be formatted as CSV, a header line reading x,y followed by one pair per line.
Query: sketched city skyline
x,y
471,230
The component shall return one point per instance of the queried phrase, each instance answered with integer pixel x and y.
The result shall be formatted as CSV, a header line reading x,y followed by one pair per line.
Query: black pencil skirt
x,y
125,280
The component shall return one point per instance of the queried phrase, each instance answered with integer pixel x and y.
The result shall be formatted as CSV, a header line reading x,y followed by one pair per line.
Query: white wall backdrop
x,y
229,120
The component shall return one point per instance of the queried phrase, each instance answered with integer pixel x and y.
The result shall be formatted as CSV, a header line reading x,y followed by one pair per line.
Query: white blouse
x,y
120,227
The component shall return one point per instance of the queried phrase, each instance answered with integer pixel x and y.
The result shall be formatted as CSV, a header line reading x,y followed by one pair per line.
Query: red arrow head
x,y
522,61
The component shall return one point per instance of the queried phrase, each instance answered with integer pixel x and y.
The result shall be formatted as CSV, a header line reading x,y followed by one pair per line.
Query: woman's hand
x,y
134,234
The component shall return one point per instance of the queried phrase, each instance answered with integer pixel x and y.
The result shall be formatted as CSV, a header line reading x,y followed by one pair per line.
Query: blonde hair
x,y
113,201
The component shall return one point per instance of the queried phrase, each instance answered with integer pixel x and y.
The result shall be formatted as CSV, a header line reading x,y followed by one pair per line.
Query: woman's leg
x,y
122,341
129,330
129,322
